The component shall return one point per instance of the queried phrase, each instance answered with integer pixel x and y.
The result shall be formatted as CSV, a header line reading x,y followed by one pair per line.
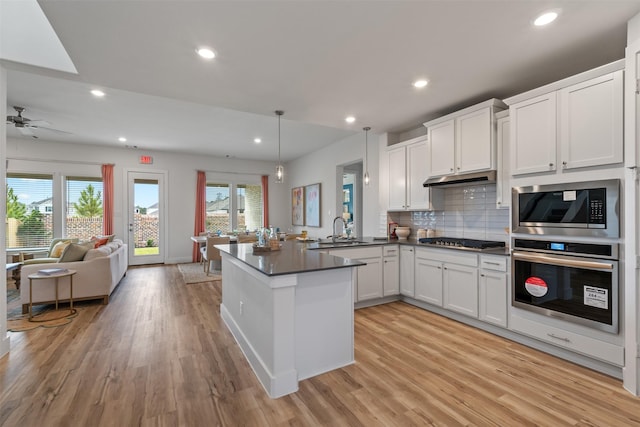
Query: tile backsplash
x,y
469,211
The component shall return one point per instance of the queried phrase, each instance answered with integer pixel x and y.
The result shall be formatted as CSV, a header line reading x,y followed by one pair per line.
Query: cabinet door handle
x,y
492,263
451,170
481,275
550,165
559,338
443,267
440,268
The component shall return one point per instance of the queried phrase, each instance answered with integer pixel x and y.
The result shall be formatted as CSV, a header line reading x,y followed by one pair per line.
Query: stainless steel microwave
x,y
589,209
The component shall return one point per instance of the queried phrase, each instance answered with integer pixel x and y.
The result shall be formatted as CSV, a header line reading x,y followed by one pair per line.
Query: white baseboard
x,y
5,345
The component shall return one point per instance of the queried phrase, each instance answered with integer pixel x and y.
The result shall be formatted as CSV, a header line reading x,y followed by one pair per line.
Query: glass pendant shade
x,y
366,155
279,168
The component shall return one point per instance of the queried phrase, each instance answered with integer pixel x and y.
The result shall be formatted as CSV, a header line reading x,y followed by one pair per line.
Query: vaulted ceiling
x,y
319,61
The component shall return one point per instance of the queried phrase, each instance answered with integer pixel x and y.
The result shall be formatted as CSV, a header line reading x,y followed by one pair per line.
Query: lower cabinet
x,y
369,280
390,270
493,290
428,280
407,273
460,285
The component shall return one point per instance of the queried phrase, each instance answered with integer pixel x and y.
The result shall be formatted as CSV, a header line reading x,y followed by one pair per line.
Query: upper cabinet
x,y
503,186
407,167
464,141
574,126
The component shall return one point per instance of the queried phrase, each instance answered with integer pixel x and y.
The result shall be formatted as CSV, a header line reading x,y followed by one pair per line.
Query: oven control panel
x,y
568,248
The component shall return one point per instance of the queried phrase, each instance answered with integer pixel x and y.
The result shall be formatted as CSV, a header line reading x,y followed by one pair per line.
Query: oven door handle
x,y
541,258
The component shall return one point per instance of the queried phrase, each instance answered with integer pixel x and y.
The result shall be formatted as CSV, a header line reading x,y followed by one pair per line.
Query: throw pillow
x,y
100,242
74,252
59,247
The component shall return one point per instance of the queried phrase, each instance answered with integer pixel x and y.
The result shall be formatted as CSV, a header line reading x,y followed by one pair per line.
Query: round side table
x,y
56,276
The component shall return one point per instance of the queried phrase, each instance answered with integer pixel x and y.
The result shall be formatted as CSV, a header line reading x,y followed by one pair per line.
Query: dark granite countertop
x,y
292,258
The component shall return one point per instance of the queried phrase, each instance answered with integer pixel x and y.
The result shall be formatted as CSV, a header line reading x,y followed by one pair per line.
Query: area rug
x,y
194,273
50,318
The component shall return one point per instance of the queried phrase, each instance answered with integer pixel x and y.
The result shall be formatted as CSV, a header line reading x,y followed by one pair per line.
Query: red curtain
x,y
265,200
107,197
201,201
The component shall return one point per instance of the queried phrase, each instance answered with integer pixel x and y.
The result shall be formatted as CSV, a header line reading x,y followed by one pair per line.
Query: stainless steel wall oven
x,y
577,282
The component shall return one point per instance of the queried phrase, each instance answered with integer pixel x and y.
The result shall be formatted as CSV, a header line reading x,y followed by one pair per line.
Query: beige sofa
x,y
97,276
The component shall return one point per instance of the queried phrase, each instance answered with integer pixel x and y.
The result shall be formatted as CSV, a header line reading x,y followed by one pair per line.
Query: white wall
x,y
76,159
320,166
4,338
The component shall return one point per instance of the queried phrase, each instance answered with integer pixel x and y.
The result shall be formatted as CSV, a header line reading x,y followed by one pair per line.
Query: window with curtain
x,y
30,211
218,209
249,207
84,206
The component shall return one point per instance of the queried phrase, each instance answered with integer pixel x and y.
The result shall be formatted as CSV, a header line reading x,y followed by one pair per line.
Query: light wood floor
x,y
159,355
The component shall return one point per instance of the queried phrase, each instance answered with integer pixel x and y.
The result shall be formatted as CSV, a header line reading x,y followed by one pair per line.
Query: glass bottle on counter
x,y
274,244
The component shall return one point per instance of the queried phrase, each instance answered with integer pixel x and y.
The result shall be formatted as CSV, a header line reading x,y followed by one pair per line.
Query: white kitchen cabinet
x,y
390,270
407,273
447,278
460,284
369,279
582,123
533,135
407,166
475,141
463,141
493,288
503,174
442,148
591,122
428,281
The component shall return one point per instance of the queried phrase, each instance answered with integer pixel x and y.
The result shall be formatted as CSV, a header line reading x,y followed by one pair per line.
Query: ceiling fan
x,y
26,126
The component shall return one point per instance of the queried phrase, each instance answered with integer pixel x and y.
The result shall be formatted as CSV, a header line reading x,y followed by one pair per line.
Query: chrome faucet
x,y
335,235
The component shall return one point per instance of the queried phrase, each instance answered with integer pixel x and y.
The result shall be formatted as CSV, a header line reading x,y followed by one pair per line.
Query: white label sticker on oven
x,y
536,286
568,196
596,297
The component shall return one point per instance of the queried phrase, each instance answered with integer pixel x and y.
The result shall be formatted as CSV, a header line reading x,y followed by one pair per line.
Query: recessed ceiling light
x,y
350,119
206,53
257,140
97,92
420,83
545,18
122,139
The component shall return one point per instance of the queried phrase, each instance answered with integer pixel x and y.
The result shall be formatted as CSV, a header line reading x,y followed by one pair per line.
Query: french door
x,y
146,217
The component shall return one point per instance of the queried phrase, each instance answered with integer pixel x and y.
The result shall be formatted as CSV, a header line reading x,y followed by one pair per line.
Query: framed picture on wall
x,y
312,205
297,206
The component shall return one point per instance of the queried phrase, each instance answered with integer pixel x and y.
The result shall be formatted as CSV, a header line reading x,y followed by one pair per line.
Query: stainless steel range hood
x,y
487,177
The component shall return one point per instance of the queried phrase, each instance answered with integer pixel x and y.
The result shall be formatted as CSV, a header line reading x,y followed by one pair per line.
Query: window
x,y
249,207
84,207
30,211
217,208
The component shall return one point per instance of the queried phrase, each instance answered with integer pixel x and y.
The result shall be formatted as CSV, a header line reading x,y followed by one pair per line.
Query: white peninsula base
x,y
290,327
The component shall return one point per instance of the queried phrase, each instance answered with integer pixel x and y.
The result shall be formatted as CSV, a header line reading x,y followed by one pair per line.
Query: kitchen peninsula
x,y
291,311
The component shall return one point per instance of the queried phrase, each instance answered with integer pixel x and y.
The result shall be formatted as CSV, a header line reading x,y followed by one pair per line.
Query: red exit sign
x,y
146,160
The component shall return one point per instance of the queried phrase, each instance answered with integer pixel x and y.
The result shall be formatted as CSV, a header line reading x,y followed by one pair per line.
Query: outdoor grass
x,y
146,251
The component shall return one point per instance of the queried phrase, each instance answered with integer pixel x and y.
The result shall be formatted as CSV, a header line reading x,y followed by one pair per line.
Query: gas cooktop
x,y
461,242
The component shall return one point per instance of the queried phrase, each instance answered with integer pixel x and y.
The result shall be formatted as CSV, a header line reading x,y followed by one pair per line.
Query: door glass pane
x,y
217,209
146,218
84,208
29,211
249,207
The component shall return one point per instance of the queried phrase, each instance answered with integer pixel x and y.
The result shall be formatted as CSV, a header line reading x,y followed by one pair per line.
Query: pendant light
x,y
366,130
279,168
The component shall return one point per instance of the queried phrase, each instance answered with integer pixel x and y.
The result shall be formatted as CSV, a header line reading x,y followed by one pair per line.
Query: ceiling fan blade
x,y
37,123
50,129
26,131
